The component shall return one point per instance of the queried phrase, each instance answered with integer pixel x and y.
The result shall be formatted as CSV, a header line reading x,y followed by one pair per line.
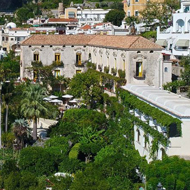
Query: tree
x,y
156,14
33,105
37,160
115,17
168,174
173,4
21,131
92,178
87,86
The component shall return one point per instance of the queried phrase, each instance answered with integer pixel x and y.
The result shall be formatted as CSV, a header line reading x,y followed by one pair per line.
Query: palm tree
x,y
32,106
21,131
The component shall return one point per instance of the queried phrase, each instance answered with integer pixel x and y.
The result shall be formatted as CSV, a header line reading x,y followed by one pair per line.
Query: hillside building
x,y
134,7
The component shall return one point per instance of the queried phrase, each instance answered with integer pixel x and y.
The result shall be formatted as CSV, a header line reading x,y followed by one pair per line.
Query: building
x,y
11,36
134,7
175,39
173,105
140,58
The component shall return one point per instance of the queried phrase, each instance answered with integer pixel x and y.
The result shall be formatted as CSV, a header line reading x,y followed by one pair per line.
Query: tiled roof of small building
x,y
120,42
85,27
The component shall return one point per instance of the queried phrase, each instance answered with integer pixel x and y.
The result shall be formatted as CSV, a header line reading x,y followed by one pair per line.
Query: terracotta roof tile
x,y
120,42
85,27
62,20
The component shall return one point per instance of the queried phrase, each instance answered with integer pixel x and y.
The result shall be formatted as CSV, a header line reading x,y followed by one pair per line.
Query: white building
x,y
173,105
175,39
91,16
11,36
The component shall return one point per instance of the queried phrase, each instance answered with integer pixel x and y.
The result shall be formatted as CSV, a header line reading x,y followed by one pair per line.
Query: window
x,y
57,73
36,56
138,136
166,69
129,13
78,59
12,39
136,13
57,57
115,62
139,69
89,56
136,0
124,64
71,14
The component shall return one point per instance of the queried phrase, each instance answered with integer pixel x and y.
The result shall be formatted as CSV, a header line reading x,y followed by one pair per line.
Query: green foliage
x,y
92,178
7,140
131,20
61,183
73,154
9,67
58,64
33,105
91,65
168,174
158,11
173,86
115,17
37,161
121,73
71,165
87,86
8,167
149,34
12,181
106,69
114,71
162,118
28,181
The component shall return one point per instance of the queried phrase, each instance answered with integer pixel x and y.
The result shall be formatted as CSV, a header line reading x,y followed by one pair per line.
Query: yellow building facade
x,y
134,7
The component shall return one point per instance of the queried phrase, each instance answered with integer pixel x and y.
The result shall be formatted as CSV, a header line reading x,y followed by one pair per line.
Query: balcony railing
x,y
58,64
79,64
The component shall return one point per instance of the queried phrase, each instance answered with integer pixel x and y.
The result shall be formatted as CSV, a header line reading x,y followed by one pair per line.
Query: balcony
x,y
58,64
79,64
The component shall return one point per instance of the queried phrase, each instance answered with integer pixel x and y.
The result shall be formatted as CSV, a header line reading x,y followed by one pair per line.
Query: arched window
x,y
166,69
78,59
179,25
57,57
89,56
36,56
138,135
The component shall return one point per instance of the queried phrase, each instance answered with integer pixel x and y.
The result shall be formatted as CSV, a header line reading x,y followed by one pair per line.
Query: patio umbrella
x,y
47,99
52,97
56,101
67,96
73,101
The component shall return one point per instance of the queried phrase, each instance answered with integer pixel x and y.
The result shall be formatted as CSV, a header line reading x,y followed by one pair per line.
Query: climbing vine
x,y
161,117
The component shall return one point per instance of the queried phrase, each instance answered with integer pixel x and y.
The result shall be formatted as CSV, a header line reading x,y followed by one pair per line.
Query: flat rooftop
x,y
167,101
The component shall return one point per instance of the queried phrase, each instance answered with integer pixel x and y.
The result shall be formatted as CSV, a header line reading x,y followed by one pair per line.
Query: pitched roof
x,y
61,20
120,42
85,27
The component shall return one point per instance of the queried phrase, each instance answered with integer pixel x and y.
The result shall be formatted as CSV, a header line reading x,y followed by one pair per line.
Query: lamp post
x,y
159,186
0,112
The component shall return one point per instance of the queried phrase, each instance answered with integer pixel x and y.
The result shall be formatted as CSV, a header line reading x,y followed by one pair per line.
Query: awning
x,y
162,42
182,43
